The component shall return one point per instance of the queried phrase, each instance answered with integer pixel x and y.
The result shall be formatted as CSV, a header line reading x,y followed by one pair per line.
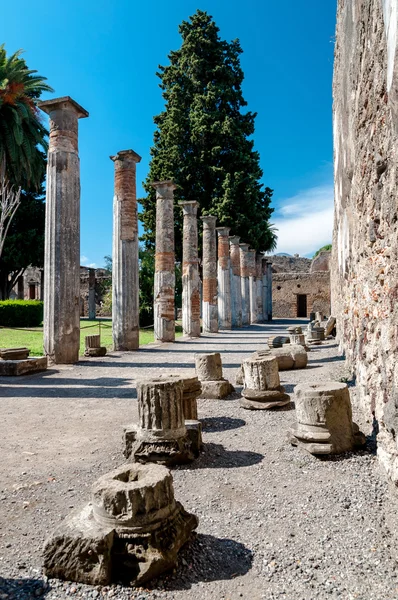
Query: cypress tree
x,y
203,138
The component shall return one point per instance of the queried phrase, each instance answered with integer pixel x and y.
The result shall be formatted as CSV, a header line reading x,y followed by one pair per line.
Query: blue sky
x,y
104,54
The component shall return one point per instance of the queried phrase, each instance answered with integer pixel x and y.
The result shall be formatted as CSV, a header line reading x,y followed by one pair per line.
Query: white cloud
x,y
84,262
305,221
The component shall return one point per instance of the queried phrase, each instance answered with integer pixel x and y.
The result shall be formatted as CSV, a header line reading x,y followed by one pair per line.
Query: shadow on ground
x,y
215,456
23,589
211,424
207,558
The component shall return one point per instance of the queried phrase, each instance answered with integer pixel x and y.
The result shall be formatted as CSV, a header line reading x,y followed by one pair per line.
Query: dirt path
x,y
274,521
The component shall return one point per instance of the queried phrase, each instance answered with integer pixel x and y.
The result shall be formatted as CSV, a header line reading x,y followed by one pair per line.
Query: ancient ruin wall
x,y
365,248
290,264
287,286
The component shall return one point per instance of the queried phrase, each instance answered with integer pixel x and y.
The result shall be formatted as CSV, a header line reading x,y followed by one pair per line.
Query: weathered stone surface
x,y
264,404
290,356
161,434
245,283
224,281
252,286
216,390
297,339
365,249
164,289
91,294
93,352
277,341
125,280
61,322
209,274
324,419
23,367
192,388
14,353
287,286
131,531
329,326
190,270
262,389
236,291
194,431
208,366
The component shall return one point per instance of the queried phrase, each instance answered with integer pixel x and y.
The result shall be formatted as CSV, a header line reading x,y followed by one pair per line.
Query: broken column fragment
x,y
209,266
324,419
161,434
209,372
263,388
130,531
164,288
190,270
93,346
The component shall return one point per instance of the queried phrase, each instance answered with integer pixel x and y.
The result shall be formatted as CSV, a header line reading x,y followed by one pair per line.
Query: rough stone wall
x,y
321,262
290,264
286,287
365,249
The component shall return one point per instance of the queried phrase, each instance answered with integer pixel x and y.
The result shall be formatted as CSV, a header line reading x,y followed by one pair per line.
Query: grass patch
x,y
32,338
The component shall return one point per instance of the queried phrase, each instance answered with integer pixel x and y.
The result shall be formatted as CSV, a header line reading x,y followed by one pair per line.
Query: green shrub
x,y
21,313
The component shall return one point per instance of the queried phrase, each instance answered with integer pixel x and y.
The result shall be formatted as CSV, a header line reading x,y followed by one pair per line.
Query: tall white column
x,y
236,292
224,281
190,270
244,282
253,286
61,324
209,268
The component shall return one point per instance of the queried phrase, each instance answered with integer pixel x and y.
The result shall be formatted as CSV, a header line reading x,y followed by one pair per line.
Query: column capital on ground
x,y
63,103
126,155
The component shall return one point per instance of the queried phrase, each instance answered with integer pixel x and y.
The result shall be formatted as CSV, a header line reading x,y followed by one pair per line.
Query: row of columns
x,y
236,287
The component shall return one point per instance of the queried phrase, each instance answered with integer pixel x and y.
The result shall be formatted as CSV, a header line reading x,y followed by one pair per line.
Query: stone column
x,y
244,282
41,284
190,270
252,286
269,290
164,289
125,288
259,283
61,322
91,294
265,287
209,276
20,287
224,281
236,292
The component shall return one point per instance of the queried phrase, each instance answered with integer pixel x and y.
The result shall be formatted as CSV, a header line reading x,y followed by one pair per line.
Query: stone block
x,y
216,390
101,351
208,366
11,368
14,353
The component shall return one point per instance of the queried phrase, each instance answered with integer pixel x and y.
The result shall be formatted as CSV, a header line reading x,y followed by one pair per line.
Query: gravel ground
x,y
274,522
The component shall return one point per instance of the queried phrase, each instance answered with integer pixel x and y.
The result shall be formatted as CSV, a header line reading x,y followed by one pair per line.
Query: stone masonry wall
x,y
290,264
286,287
365,247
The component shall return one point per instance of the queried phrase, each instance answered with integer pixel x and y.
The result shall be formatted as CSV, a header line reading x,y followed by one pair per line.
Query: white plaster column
x,y
125,270
190,270
209,267
252,286
61,324
224,281
269,290
236,292
244,282
259,284
164,288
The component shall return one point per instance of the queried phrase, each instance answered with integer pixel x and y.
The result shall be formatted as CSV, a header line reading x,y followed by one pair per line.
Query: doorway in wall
x,y
301,305
32,291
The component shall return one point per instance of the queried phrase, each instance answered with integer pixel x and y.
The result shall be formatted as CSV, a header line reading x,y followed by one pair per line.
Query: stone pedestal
x,y
91,295
244,282
277,341
209,272
190,271
164,288
297,338
15,367
262,389
93,346
236,292
130,532
252,286
223,278
161,434
61,323
324,419
125,284
209,372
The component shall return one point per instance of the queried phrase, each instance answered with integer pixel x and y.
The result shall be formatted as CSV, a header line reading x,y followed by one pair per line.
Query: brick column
x,y
125,284
209,276
224,281
61,323
236,292
259,283
91,294
253,286
190,270
164,288
244,282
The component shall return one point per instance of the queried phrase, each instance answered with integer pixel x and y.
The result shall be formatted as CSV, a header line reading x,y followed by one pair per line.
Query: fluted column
x,y
190,270
269,290
252,286
164,288
259,284
264,270
209,275
244,282
61,324
125,284
224,281
236,292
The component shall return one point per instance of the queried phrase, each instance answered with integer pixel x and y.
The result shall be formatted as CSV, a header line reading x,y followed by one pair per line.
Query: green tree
x,y
203,138
23,145
24,244
326,248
